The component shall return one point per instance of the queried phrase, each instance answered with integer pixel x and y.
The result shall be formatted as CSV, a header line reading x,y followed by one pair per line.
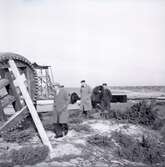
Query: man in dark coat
x,y
97,95
60,114
106,98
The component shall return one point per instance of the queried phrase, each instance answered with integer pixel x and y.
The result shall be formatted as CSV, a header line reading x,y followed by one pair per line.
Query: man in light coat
x,y
85,94
60,114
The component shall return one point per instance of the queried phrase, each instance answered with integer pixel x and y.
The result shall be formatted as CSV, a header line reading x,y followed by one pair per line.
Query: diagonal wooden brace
x,y
29,103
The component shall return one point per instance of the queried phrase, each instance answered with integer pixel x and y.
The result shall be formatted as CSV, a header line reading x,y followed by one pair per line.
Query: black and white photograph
x,y
82,83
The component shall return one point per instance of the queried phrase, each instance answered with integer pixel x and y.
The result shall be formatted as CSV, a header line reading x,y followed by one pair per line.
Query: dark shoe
x,y
58,136
84,113
65,129
58,130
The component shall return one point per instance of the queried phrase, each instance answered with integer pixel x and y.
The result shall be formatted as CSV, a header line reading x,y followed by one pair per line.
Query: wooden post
x,y
2,114
11,89
20,82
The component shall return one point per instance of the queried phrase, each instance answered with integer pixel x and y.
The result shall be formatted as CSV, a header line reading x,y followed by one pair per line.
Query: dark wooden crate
x,y
119,99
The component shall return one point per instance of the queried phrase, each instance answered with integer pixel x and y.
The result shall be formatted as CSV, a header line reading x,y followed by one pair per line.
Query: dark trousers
x,y
85,112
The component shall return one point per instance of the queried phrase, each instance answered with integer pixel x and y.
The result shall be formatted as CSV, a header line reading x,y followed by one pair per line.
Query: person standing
x,y
106,98
85,94
60,114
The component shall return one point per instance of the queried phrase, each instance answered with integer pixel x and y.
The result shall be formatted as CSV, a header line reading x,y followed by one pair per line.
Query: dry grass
x,y
81,128
143,113
18,136
148,150
29,155
100,141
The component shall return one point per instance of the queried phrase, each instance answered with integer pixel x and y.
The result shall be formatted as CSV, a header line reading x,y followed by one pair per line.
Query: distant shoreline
x,y
131,91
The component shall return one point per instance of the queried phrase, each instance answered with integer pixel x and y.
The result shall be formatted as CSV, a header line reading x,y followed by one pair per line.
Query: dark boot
x,y
58,130
65,128
85,114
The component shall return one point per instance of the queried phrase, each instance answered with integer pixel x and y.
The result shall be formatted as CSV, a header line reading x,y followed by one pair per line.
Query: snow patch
x,y
106,127
79,141
100,127
65,149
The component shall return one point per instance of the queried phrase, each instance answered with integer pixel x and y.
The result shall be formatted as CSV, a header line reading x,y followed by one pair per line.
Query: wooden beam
x,y
3,83
11,89
14,120
2,114
7,100
29,103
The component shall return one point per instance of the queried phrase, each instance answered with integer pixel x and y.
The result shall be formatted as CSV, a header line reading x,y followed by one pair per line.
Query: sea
x,y
132,91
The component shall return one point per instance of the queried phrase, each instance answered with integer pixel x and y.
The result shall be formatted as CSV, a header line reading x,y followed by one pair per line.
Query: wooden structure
x,y
45,81
20,96
25,67
119,99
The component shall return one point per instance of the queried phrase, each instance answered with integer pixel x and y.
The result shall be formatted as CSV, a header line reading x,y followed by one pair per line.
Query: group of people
x,y
101,95
99,98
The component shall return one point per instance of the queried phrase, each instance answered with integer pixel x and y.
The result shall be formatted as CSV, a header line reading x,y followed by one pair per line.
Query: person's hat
x,y
104,84
56,84
82,81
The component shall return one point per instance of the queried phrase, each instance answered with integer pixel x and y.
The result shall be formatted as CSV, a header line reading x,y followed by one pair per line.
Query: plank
x,y
20,82
7,100
14,120
2,114
11,89
3,83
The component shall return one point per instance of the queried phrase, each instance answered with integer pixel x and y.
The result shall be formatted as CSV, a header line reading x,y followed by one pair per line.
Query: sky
x,y
121,42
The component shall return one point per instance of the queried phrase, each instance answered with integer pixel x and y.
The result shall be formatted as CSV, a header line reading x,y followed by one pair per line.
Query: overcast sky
x,y
121,42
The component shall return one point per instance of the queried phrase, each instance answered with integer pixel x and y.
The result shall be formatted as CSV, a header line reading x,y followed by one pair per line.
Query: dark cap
x,y
104,84
83,81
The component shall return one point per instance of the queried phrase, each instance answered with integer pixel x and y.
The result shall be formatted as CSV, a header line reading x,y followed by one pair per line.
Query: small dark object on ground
x,y
29,155
58,130
74,98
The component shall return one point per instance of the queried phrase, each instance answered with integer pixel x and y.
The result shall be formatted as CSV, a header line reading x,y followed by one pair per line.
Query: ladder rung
x,y
2,95
14,120
3,83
